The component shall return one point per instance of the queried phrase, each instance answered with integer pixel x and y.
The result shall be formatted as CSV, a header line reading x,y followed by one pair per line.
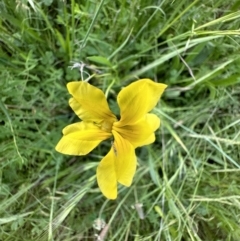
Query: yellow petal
x,y
125,159
89,102
81,138
106,176
137,99
149,140
141,132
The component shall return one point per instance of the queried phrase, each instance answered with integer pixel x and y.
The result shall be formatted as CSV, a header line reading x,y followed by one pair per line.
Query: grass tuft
x,y
187,183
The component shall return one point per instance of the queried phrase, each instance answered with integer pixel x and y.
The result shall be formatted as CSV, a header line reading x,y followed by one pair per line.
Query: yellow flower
x,y
134,129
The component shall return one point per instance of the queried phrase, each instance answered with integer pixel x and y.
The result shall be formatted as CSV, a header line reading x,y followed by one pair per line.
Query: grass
x,y
187,182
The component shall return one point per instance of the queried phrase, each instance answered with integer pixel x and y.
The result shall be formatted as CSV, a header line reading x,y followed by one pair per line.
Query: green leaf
x,y
100,60
232,80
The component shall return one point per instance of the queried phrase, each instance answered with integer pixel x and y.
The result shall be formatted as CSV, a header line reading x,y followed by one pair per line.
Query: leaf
x,y
100,60
232,80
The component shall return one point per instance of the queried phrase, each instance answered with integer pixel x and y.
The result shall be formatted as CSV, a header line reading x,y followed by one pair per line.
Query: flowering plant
x,y
135,128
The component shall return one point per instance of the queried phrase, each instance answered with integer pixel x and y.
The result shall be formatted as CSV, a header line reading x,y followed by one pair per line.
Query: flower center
x,y
107,126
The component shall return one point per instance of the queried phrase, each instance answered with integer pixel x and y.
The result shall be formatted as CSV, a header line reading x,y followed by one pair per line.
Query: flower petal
x,y
106,175
119,165
81,138
137,99
148,141
141,132
126,160
89,102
